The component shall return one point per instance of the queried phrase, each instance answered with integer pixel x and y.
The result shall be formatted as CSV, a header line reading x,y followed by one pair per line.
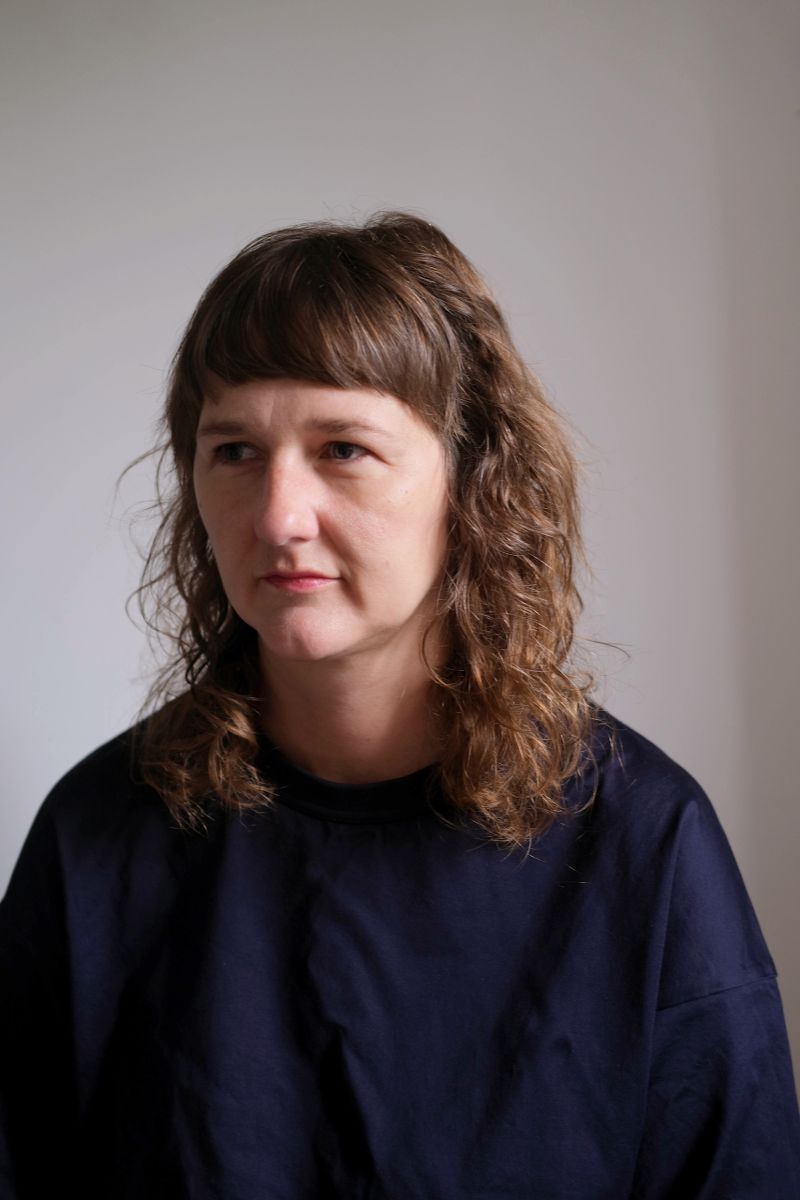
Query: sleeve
x,y
37,1095
721,1120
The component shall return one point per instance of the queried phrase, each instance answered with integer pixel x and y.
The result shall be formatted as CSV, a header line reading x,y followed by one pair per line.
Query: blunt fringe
x,y
394,306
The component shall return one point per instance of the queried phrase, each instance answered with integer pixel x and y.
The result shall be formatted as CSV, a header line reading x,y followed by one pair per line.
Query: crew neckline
x,y
397,799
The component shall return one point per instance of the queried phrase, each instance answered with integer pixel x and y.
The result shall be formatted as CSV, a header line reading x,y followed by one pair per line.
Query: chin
x,y
303,645
298,653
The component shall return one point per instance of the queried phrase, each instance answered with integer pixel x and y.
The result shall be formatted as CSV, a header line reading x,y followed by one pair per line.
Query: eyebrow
x,y
332,425
220,428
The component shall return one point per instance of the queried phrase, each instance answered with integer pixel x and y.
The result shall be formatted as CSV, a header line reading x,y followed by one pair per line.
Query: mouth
x,y
297,581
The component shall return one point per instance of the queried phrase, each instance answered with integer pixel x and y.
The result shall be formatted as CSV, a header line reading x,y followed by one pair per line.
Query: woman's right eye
x,y
233,452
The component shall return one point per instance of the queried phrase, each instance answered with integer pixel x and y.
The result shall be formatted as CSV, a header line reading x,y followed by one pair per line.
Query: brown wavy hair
x,y
394,306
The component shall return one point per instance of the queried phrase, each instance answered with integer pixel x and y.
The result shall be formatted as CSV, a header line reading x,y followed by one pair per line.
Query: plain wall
x,y
625,173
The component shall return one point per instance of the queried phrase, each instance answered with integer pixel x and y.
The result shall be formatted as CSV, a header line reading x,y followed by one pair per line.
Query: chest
x,y
349,1026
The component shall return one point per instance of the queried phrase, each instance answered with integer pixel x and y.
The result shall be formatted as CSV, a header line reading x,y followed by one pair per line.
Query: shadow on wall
x,y
758,190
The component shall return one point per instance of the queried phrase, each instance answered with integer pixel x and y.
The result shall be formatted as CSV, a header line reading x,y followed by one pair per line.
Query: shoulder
x,y
655,828
95,816
636,776
649,805
642,796
102,848
102,788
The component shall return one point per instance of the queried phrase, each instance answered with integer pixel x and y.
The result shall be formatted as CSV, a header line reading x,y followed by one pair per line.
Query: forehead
x,y
291,403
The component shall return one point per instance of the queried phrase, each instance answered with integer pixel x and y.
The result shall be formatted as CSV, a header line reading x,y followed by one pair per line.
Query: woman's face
x,y
327,514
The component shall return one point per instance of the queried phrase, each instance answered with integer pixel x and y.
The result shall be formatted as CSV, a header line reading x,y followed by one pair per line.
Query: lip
x,y
297,581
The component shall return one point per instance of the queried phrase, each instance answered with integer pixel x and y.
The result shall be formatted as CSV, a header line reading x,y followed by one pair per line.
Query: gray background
x,y
626,174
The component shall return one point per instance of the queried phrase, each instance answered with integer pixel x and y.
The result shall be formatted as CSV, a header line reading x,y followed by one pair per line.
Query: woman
x,y
377,902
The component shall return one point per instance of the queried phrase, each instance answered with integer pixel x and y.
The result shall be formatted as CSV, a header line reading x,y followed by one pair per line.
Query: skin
x,y
288,479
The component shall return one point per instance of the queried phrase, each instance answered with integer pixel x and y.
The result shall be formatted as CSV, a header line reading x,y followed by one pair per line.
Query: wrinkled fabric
x,y
355,995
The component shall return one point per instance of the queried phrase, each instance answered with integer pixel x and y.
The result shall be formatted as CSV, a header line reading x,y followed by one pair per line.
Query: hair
x,y
391,305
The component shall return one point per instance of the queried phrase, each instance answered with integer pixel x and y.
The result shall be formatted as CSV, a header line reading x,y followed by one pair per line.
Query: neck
x,y
352,720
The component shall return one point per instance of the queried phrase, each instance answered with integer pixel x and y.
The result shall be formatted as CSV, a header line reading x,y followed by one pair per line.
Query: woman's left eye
x,y
345,451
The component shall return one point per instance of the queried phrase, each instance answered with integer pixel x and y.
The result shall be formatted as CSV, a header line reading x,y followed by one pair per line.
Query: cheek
x,y
428,517
211,526
202,502
224,521
412,538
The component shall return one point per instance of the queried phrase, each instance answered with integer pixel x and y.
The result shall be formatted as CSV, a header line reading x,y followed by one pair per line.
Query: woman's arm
x,y
722,1121
38,1121
721,1118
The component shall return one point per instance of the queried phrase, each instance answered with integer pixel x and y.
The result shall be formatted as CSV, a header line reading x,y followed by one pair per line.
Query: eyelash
x,y
350,446
221,452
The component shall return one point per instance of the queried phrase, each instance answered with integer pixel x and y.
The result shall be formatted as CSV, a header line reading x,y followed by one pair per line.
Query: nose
x,y
287,505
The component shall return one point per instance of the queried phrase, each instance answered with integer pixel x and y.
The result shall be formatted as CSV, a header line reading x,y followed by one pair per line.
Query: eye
x,y
345,451
233,452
